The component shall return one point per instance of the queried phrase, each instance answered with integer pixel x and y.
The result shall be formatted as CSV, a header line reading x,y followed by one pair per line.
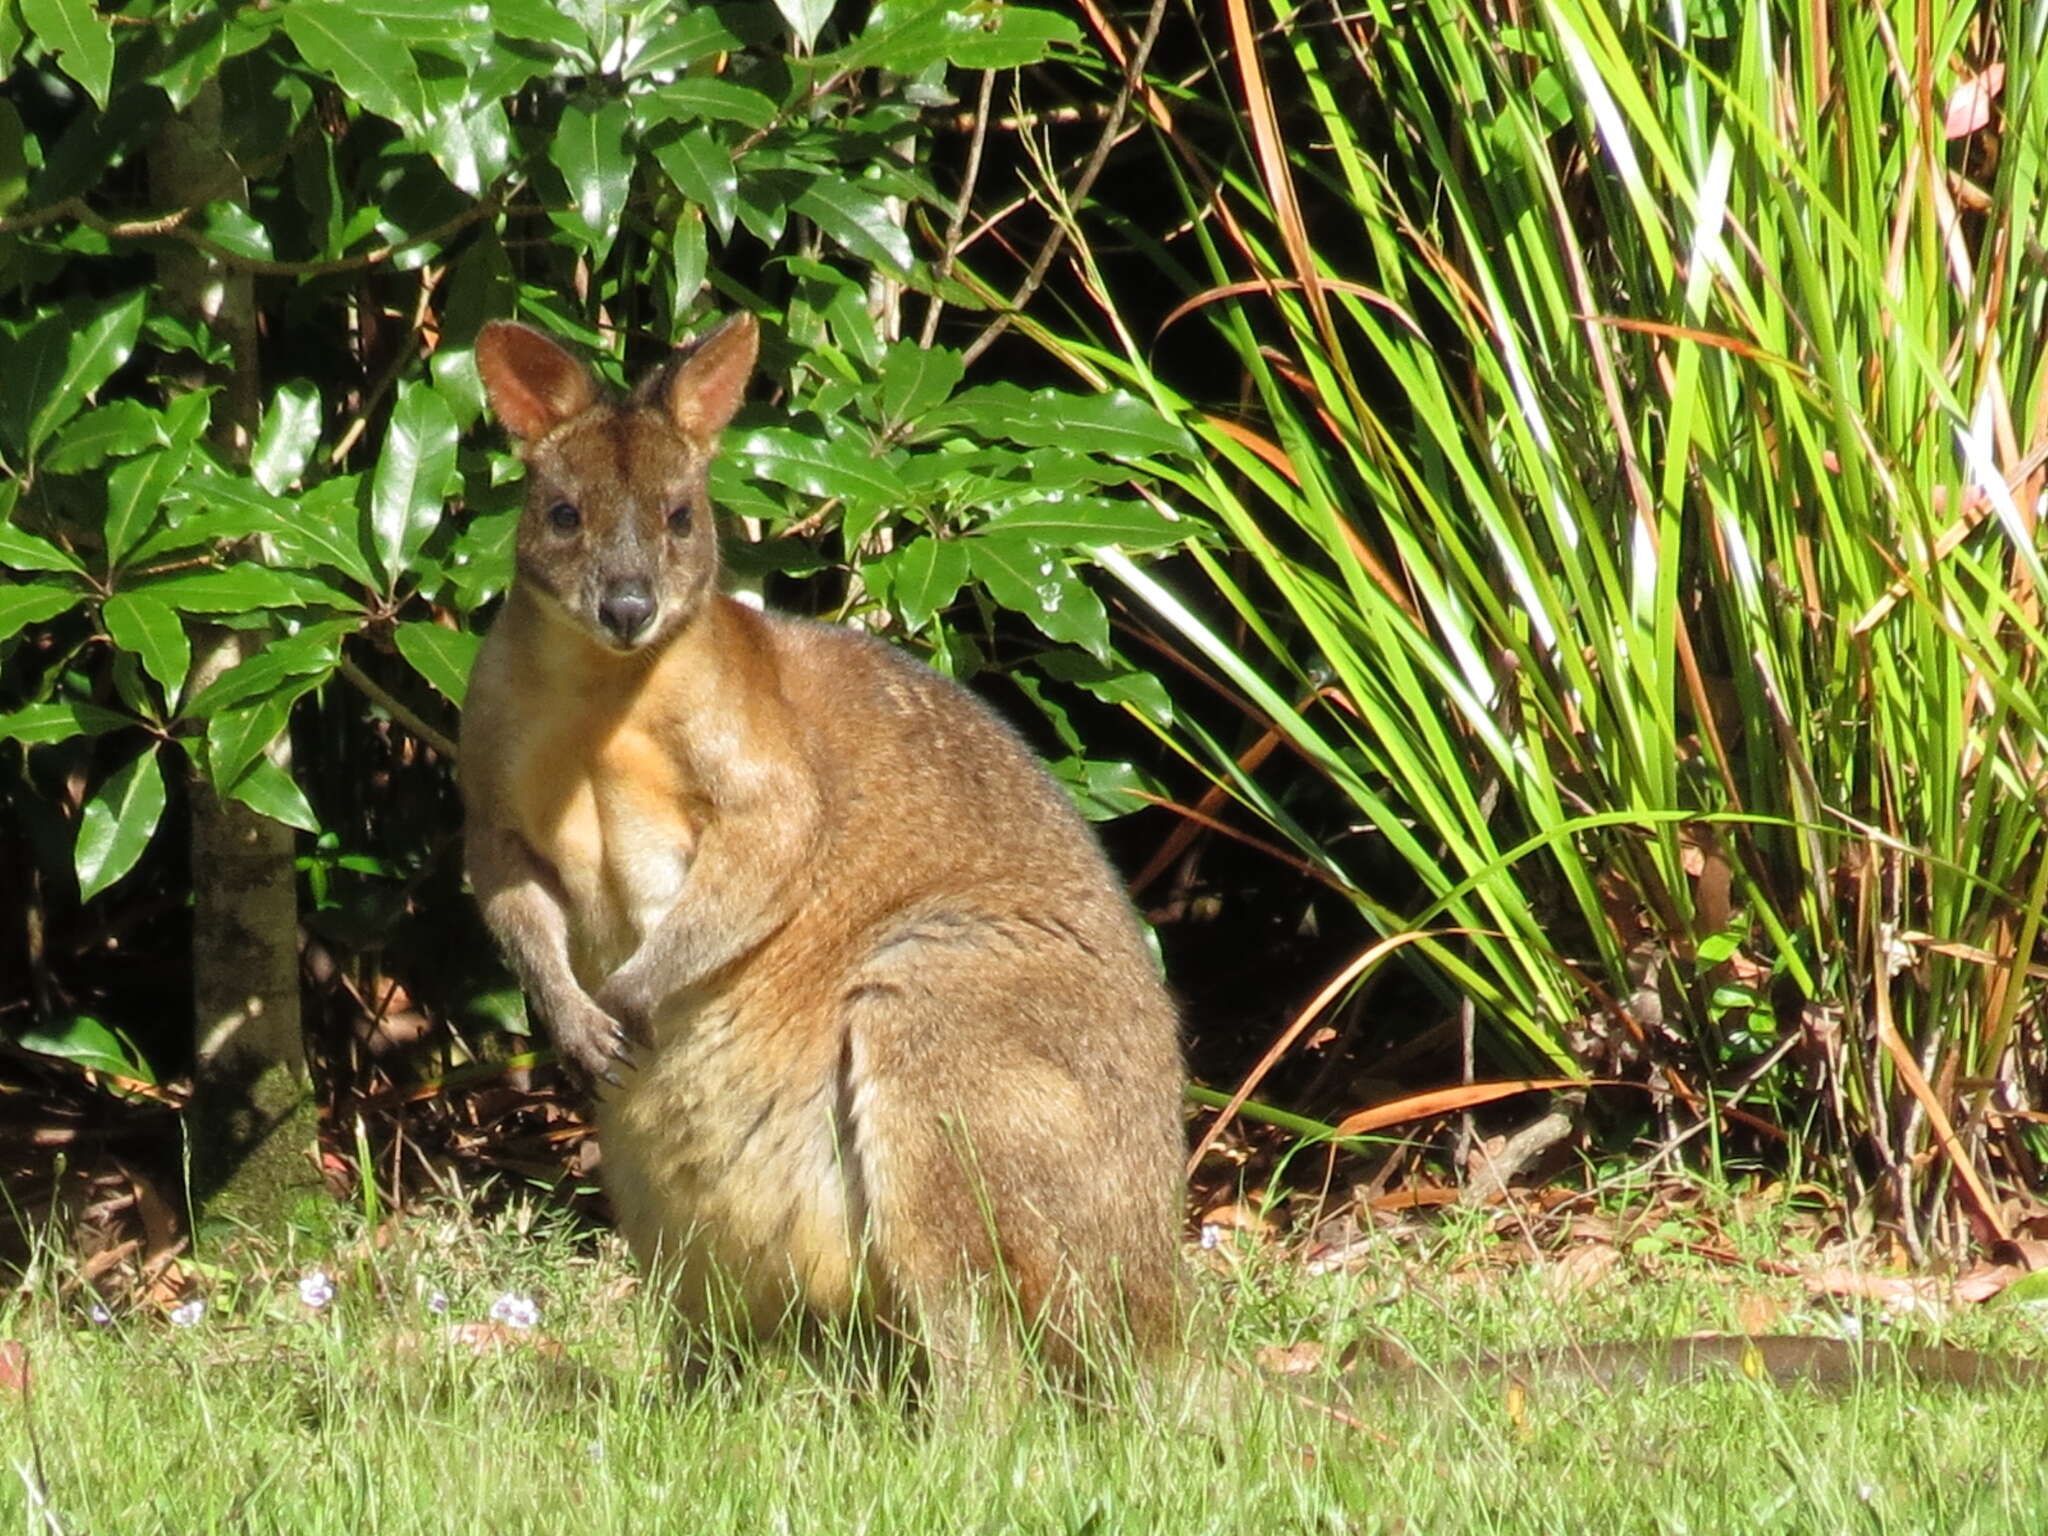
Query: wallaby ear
x,y
534,383
706,387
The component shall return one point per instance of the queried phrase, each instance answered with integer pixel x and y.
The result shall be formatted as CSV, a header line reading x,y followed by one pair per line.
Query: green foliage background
x,y
618,174
1561,481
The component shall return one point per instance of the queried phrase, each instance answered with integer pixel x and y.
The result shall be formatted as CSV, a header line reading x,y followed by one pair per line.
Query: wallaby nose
x,y
626,609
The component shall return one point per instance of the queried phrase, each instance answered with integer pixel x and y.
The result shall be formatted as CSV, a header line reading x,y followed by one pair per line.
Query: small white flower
x,y
189,1313
515,1311
316,1290
98,1315
1211,1234
437,1302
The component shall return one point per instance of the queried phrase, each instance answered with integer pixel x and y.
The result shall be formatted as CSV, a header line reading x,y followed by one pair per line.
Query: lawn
x,y
504,1375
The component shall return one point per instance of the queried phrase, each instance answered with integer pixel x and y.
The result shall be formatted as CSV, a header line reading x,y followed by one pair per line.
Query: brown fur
x,y
893,1032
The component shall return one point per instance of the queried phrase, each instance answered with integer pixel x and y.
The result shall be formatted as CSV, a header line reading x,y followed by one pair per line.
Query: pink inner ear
x,y
534,383
705,391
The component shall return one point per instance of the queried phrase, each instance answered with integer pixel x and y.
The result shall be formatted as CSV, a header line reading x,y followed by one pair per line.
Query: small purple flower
x,y
437,1303
185,1315
1212,1234
98,1315
515,1311
316,1289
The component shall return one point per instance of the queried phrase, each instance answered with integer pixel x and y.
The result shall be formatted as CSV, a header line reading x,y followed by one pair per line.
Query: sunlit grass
x,y
382,1408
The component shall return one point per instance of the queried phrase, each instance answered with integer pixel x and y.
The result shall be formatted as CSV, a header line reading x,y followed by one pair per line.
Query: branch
x,y
1106,141
375,692
171,226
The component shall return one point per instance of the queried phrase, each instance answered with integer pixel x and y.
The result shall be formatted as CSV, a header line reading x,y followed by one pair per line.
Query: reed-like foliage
x,y
1637,475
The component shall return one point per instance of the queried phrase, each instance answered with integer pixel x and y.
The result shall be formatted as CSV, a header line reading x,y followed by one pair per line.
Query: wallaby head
x,y
617,537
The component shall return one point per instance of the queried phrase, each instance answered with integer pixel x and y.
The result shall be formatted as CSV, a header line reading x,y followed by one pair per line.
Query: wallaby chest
x,y
603,795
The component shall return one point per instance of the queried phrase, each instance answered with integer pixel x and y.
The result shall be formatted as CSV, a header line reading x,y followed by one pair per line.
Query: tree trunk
x,y
250,1128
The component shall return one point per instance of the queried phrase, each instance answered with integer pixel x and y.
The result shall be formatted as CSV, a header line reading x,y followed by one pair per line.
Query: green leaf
x,y
32,603
153,631
1114,682
326,528
80,36
538,21
1104,791
86,1042
415,22
698,33
702,171
285,442
410,489
118,823
696,97
1117,423
909,36
1027,578
915,379
269,791
117,429
1070,520
442,656
806,18
21,550
135,495
834,467
243,588
236,738
14,166
689,260
928,575
589,149
470,140
370,64
1005,37
288,665
37,725
864,222
233,227
60,362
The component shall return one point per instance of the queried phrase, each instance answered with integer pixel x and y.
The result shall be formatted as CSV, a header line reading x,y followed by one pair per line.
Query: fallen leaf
x,y
482,1339
1756,1313
1303,1359
1924,1295
1584,1267
1237,1217
1986,1281
1969,104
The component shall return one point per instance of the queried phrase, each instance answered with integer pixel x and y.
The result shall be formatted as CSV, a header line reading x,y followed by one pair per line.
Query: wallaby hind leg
x,y
1008,1192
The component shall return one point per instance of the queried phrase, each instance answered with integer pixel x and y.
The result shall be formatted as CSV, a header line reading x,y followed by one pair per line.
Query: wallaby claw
x,y
612,1077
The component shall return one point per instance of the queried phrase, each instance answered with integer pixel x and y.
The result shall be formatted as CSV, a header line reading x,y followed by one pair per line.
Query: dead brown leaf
x,y
1302,1359
482,1339
14,1370
1757,1313
1237,1217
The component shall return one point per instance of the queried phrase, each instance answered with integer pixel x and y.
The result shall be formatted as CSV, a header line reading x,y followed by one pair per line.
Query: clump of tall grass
x,y
1634,493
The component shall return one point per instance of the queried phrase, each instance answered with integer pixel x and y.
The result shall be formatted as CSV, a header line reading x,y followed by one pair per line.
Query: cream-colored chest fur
x,y
606,803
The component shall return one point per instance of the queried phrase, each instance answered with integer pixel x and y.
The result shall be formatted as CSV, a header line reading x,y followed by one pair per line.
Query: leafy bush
x,y
390,175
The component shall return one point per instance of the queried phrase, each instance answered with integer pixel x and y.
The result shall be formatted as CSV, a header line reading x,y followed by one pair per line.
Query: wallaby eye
x,y
564,518
679,520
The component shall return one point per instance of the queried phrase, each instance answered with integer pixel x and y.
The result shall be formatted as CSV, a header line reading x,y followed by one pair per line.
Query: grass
x,y
369,1414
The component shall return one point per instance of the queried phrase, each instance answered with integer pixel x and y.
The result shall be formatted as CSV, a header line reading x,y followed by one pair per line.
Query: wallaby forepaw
x,y
593,1043
629,1007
